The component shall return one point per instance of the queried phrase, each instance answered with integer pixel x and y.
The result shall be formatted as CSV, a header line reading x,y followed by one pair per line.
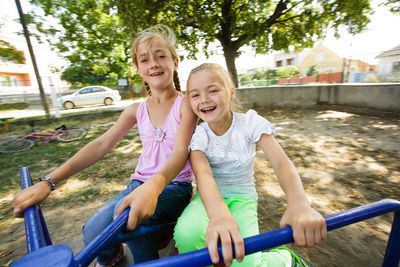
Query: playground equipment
x,y
41,252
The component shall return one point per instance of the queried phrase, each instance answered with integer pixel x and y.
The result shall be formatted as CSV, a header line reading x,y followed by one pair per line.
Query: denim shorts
x,y
171,202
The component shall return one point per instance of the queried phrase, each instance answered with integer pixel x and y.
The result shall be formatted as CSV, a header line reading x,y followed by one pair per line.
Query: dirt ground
x,y
346,157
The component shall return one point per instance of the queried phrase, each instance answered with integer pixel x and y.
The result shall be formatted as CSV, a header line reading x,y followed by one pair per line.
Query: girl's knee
x,y
87,234
188,236
94,226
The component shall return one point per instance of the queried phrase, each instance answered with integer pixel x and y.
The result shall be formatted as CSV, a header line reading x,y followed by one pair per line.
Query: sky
x,y
381,34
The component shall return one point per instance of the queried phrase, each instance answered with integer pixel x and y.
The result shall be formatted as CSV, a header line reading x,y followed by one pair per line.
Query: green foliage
x,y
287,72
244,77
89,36
263,25
259,75
393,5
312,70
271,74
8,52
95,40
14,105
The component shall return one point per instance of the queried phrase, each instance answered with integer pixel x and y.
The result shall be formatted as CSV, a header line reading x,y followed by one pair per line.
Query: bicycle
x,y
62,134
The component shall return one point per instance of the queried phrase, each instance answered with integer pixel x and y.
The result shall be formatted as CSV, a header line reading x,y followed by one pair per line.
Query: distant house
x,y
289,59
20,78
325,59
389,61
13,74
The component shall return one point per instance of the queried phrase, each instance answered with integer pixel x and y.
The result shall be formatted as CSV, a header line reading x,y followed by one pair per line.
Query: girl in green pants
x,y
222,156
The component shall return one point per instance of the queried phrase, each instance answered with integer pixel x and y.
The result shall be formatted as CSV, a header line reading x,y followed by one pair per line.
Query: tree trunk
x,y
33,58
230,56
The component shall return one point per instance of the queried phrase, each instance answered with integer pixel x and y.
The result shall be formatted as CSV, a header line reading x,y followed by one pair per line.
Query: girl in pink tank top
x,y
158,143
161,186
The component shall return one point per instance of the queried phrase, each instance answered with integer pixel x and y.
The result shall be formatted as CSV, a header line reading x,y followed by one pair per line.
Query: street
x,y
38,110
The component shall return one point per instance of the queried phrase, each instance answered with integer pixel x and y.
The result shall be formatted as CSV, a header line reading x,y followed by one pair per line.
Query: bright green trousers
x,y
190,231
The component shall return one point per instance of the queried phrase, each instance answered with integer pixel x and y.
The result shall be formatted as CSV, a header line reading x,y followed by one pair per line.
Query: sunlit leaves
x,y
89,35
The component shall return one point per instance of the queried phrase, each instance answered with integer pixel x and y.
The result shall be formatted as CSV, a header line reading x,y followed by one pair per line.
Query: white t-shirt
x,y
231,155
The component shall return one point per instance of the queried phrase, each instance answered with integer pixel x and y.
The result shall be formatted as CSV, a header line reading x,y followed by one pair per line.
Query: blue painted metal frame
x,y
38,240
285,235
37,235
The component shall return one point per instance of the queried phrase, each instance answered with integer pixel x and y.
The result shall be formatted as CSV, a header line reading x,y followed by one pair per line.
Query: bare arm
x,y
308,225
143,200
87,156
222,226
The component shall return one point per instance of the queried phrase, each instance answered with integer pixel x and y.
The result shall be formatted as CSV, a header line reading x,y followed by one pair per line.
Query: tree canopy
x,y
88,34
95,35
393,5
8,52
262,25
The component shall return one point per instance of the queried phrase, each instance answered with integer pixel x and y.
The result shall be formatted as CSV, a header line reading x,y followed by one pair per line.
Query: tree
x,y
312,70
262,25
8,52
271,74
89,36
244,77
393,5
94,41
287,72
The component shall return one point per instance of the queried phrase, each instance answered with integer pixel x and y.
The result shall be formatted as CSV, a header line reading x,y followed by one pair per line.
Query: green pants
x,y
190,231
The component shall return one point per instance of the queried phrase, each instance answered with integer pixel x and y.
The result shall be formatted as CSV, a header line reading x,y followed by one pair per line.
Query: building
x,y
325,60
13,74
389,61
18,79
289,59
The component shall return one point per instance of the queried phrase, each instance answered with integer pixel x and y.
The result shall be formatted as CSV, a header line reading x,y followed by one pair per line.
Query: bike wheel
x,y
15,145
70,135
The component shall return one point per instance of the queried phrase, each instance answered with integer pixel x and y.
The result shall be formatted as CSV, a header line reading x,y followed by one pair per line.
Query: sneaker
x,y
114,262
297,260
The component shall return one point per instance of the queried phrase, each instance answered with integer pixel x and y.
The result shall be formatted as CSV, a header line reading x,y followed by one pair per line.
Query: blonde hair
x,y
149,34
223,75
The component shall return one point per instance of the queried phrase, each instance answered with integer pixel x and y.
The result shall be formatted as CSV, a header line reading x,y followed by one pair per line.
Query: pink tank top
x,y
157,144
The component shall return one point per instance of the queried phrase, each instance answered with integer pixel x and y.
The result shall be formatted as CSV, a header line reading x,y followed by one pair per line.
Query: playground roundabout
x,y
346,157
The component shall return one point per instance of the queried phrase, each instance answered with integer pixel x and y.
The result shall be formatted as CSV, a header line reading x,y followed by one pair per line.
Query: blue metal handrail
x,y
37,235
285,235
253,244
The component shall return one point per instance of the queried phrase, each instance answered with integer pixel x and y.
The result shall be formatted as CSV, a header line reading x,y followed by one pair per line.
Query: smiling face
x,y
210,98
155,63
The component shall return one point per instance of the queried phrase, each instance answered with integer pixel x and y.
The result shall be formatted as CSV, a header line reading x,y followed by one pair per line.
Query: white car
x,y
89,96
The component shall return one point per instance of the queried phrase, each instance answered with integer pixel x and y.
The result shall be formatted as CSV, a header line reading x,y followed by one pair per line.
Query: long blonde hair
x,y
149,34
224,77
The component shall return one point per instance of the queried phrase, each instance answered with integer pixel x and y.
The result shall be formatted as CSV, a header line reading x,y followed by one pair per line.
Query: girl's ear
x,y
176,63
233,93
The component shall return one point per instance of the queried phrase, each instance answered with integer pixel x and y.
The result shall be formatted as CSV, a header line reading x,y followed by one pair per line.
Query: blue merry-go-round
x,y
41,251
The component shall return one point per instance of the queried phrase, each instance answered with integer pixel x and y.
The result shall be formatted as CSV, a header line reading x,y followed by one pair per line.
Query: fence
x,y
334,77
20,92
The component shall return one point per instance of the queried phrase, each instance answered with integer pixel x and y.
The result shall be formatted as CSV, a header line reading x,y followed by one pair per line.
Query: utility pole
x,y
28,41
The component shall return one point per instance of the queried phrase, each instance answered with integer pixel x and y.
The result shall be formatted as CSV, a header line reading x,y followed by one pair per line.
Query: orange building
x,y
13,74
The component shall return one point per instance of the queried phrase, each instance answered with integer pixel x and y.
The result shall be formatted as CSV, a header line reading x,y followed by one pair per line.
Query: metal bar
x,y
37,235
106,237
114,234
35,238
143,230
284,235
392,255
46,233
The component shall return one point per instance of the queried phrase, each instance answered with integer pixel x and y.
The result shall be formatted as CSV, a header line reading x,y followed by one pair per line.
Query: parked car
x,y
90,95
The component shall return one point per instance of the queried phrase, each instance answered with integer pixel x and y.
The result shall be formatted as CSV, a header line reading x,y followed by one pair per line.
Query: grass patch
x,y
13,106
45,156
